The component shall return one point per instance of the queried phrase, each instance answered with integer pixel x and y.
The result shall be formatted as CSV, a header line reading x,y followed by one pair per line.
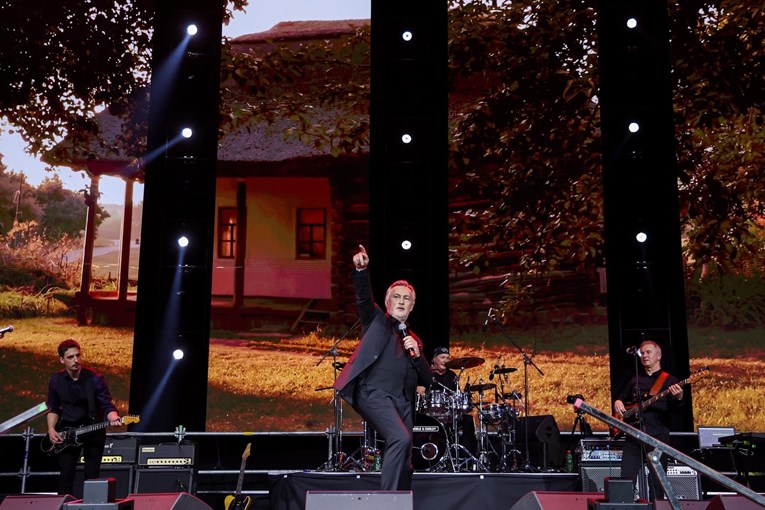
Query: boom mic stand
x,y
336,457
491,318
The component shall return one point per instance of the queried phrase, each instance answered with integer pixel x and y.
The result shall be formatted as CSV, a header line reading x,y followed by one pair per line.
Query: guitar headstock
x,y
129,419
246,451
698,374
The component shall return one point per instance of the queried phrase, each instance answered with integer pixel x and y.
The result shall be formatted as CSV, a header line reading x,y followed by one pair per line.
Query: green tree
x,y
63,211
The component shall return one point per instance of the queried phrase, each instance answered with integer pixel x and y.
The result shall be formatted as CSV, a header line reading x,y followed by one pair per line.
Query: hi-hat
x,y
468,362
499,371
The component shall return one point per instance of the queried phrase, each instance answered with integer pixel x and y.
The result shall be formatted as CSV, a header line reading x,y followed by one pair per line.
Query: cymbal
x,y
468,362
481,387
499,371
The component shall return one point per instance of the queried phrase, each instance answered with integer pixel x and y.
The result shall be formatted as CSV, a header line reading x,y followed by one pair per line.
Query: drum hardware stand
x,y
483,440
491,318
336,459
457,463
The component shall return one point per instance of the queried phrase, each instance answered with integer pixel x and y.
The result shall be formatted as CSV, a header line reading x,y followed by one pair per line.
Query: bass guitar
x,y
631,411
71,435
237,501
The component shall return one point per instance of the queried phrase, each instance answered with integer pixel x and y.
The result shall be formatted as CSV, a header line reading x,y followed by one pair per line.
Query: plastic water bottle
x,y
569,461
377,462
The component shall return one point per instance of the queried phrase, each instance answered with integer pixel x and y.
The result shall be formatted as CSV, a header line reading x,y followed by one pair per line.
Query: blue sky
x,y
260,15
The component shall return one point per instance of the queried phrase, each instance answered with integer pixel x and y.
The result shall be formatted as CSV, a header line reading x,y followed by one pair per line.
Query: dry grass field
x,y
274,383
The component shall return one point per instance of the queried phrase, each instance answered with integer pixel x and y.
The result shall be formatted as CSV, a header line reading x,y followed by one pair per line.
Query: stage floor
x,y
432,491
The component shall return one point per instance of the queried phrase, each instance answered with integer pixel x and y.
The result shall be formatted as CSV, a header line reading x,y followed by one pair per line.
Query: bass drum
x,y
429,442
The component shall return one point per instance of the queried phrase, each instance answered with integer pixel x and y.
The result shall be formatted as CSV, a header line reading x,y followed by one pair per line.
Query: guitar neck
x,y
240,481
91,428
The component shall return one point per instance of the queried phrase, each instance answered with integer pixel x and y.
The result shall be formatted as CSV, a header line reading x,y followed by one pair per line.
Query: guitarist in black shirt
x,y
78,396
655,418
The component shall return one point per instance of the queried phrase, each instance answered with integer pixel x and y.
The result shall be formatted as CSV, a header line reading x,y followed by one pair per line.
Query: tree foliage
x,y
49,211
525,158
528,144
62,61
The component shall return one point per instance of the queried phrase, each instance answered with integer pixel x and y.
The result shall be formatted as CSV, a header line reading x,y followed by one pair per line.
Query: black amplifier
x,y
119,450
601,450
167,455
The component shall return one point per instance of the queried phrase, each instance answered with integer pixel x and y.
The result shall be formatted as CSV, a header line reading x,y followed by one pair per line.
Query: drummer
x,y
445,378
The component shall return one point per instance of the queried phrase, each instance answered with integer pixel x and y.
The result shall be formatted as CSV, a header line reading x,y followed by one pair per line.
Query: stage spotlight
x,y
183,241
406,138
186,132
178,354
407,35
634,127
631,23
191,29
406,245
641,237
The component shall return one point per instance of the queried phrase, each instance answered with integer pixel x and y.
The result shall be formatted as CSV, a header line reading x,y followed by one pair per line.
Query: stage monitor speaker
x,y
544,440
35,502
164,480
732,503
543,500
122,473
542,429
593,475
168,501
358,500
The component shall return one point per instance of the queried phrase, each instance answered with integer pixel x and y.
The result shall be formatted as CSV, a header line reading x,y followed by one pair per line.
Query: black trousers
x,y
633,457
92,449
392,418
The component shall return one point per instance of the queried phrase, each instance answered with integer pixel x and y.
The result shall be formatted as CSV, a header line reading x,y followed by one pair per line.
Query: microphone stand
x,y
335,433
642,477
527,467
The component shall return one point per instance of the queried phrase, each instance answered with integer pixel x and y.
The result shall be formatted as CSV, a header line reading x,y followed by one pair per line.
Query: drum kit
x,y
441,442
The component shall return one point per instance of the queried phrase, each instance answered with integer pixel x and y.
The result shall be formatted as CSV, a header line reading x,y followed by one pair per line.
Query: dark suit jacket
x,y
377,327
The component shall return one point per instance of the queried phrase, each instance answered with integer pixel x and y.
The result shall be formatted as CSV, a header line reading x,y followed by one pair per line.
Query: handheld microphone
x,y
635,351
7,329
493,371
404,332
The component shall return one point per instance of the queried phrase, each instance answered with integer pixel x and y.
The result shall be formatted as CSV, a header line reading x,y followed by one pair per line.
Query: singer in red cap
x,y
382,374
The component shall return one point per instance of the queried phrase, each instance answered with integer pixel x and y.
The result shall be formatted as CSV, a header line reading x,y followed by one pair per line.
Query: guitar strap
x,y
656,388
89,389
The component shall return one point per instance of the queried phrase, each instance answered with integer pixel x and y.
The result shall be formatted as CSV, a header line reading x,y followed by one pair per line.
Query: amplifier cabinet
x,y
593,474
153,479
685,481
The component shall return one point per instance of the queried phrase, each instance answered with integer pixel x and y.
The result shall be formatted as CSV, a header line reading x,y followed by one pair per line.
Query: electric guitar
x,y
237,501
71,435
631,410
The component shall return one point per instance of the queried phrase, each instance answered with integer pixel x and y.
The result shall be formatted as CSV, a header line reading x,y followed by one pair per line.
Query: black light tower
x,y
174,283
646,297
408,149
